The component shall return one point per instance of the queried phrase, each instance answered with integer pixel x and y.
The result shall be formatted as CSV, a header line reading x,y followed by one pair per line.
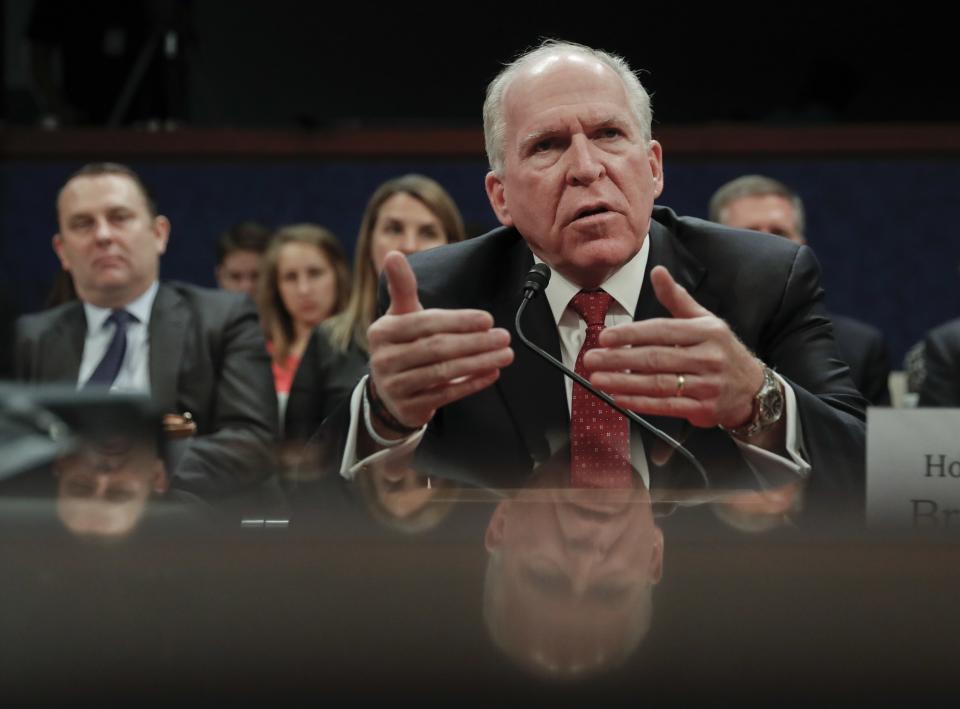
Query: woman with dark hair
x,y
304,280
408,214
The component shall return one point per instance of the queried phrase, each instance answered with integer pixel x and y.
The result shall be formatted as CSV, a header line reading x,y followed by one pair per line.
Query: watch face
x,y
768,408
771,407
770,400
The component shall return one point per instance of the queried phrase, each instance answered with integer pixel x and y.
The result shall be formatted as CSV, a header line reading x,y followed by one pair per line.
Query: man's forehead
x,y
558,80
94,191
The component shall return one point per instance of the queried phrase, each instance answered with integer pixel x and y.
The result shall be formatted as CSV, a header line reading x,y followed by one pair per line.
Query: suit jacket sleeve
x,y
941,383
877,373
48,345
24,346
862,346
799,344
234,447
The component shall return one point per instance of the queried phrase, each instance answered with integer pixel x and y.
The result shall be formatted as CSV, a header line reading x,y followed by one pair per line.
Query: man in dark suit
x,y
574,174
763,204
941,356
199,353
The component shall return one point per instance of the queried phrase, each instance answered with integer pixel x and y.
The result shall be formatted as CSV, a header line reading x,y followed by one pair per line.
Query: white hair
x,y
494,124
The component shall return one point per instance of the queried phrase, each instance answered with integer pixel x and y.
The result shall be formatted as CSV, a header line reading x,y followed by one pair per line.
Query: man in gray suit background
x,y
764,204
199,353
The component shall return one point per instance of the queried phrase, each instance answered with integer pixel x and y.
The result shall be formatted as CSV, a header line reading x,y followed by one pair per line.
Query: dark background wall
x,y
882,224
289,63
884,230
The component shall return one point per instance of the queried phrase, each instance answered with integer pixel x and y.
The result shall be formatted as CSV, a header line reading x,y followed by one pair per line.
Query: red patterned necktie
x,y
599,435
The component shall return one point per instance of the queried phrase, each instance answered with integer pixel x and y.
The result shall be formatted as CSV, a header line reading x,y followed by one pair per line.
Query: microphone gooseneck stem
x,y
528,295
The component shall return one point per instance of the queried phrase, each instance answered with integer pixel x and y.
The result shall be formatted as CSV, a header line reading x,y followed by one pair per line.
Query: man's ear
x,y
161,232
655,157
58,249
496,193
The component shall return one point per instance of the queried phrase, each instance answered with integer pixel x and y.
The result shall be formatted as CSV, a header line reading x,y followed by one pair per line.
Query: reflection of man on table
x,y
103,489
569,583
697,316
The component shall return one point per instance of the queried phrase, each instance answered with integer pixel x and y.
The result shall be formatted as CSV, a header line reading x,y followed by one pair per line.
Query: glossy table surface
x,y
403,588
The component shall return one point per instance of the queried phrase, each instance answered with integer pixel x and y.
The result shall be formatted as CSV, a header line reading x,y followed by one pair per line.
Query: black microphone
x,y
537,279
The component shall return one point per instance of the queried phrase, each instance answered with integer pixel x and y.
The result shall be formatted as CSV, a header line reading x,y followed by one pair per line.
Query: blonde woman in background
x,y
304,280
408,214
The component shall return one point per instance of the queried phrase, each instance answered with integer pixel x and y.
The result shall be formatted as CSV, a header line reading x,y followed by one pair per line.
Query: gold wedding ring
x,y
681,381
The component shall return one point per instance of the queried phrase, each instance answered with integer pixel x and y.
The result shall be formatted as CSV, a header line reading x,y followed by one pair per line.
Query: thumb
x,y
401,284
673,296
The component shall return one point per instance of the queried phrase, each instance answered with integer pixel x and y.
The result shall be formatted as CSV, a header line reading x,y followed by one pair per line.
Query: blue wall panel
x,y
883,229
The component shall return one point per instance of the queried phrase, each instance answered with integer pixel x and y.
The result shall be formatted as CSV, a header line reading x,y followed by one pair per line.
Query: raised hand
x,y
690,366
421,359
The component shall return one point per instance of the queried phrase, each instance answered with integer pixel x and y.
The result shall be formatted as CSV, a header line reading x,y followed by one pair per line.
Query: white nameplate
x,y
913,468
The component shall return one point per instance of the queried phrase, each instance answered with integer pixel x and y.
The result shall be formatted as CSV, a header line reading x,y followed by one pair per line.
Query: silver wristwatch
x,y
768,405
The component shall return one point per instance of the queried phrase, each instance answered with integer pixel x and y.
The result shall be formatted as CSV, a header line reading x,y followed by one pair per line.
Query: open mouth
x,y
590,212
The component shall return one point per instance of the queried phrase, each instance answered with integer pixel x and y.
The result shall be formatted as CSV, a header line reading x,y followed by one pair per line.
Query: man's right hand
x,y
421,359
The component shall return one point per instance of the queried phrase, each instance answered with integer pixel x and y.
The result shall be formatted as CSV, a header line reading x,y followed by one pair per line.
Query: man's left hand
x,y
640,364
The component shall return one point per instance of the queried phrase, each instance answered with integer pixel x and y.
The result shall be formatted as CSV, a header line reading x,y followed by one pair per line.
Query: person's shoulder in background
x,y
941,382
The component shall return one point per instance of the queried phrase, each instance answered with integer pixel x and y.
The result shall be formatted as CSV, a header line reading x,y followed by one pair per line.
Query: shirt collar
x,y
624,285
139,308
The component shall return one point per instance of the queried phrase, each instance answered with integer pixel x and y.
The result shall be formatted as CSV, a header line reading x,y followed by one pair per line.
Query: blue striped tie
x,y
109,366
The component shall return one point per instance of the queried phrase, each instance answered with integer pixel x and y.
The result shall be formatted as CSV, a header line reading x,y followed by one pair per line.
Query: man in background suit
x,y
763,204
574,173
199,353
941,358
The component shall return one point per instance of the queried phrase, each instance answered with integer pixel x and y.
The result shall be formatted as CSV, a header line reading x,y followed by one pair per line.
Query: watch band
x,y
768,406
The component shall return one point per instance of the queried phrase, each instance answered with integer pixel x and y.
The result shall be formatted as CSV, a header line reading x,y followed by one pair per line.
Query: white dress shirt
x,y
134,374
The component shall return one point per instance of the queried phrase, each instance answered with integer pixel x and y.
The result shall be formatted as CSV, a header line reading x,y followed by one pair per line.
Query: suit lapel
x,y
532,390
667,251
63,346
169,321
